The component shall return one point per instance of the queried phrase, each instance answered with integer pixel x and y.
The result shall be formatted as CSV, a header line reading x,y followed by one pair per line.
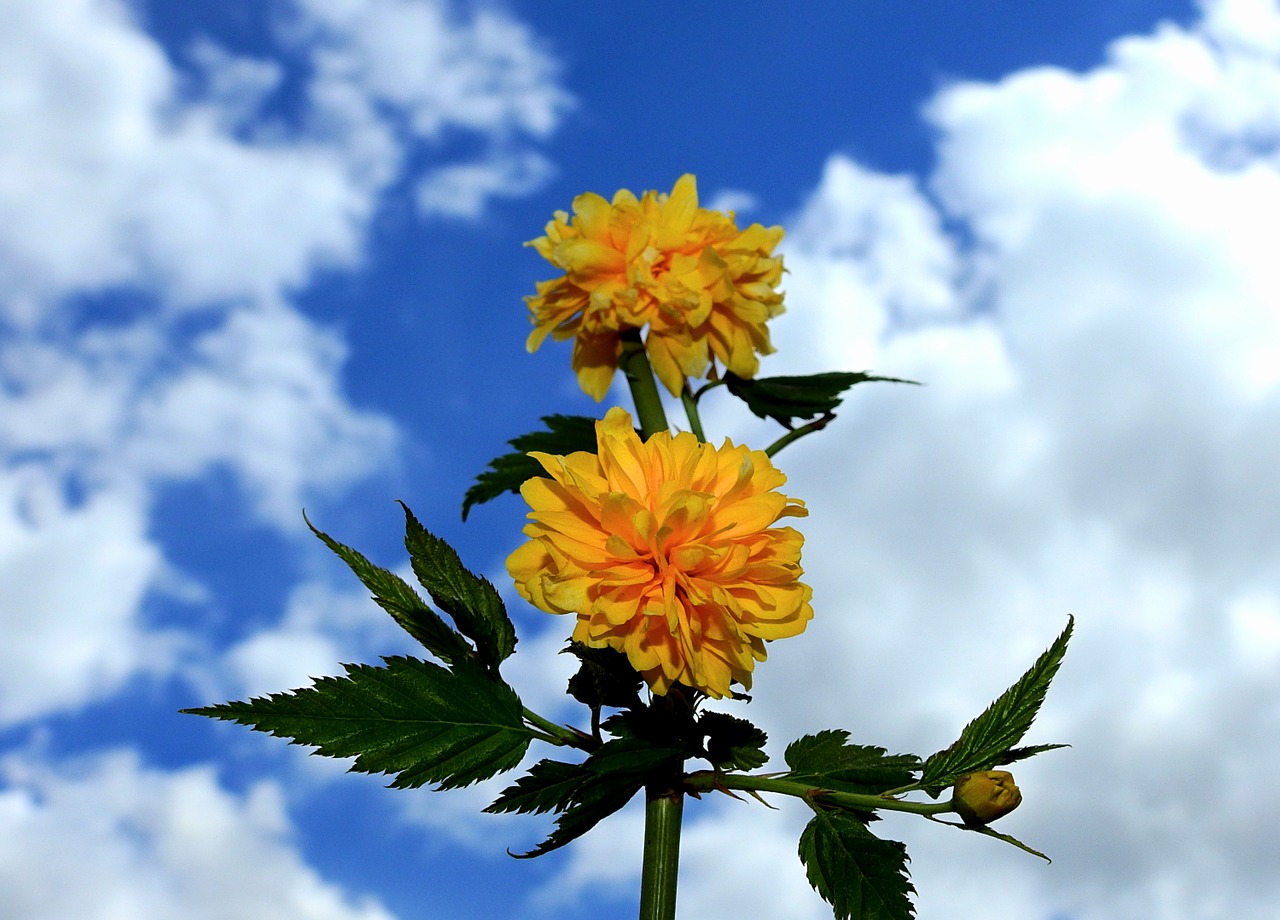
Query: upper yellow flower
x,y
703,287
665,550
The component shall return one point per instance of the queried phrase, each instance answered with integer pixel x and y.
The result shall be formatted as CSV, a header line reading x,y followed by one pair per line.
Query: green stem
x,y
634,362
557,734
816,425
708,780
691,410
662,813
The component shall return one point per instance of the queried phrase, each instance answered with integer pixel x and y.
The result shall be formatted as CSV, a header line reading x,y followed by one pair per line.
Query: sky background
x,y
261,256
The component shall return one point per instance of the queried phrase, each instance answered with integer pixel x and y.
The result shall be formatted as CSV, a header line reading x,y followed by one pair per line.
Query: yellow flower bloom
x,y
703,287
665,550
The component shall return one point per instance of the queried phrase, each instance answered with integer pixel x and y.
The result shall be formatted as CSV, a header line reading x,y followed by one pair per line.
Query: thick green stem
x,y
663,810
634,362
708,780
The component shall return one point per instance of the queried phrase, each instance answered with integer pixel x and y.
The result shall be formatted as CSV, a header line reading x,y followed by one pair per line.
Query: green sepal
x,y
394,595
786,398
472,601
565,434
733,743
860,875
829,761
414,719
990,738
604,678
586,793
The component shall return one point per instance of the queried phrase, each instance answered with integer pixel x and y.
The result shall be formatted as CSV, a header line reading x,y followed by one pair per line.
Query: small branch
x,y
691,410
796,434
707,780
634,363
559,734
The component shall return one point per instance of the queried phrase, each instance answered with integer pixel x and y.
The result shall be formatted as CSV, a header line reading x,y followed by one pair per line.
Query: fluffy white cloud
x,y
73,579
192,201
1098,436
152,844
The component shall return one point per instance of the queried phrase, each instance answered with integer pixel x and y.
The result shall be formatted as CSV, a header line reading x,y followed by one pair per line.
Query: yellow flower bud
x,y
980,798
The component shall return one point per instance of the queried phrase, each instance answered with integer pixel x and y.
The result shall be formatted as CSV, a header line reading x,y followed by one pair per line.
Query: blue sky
x,y
256,257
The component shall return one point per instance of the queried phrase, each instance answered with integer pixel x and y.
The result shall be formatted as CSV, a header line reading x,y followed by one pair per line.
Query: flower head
x,y
666,550
703,287
979,798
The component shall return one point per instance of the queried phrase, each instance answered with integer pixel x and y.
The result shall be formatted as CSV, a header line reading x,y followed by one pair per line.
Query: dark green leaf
x,y
470,600
422,722
605,678
394,595
565,434
548,786
787,398
987,740
606,781
828,760
733,743
1013,755
861,876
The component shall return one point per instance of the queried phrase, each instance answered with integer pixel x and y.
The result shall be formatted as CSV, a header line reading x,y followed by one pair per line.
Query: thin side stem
x,y
816,425
708,780
557,734
634,362
691,410
662,814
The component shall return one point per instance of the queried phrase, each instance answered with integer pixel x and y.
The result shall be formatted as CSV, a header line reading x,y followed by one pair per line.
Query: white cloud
x,y
464,191
1098,435
153,844
172,196
73,579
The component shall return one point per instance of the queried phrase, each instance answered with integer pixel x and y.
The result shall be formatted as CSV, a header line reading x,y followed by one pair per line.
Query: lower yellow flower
x,y
666,550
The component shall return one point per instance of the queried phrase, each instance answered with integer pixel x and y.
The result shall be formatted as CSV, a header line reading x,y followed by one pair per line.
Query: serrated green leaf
x,y
414,719
733,743
565,434
550,785
988,739
786,398
394,595
828,760
860,875
472,601
607,780
1013,755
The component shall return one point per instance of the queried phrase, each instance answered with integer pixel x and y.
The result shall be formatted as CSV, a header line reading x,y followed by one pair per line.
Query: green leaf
x,y
989,739
470,600
414,719
733,743
828,760
550,785
787,398
861,876
587,793
394,595
565,434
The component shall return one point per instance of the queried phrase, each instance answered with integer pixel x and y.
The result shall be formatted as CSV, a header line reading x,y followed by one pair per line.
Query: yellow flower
x,y
703,287
980,798
665,551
